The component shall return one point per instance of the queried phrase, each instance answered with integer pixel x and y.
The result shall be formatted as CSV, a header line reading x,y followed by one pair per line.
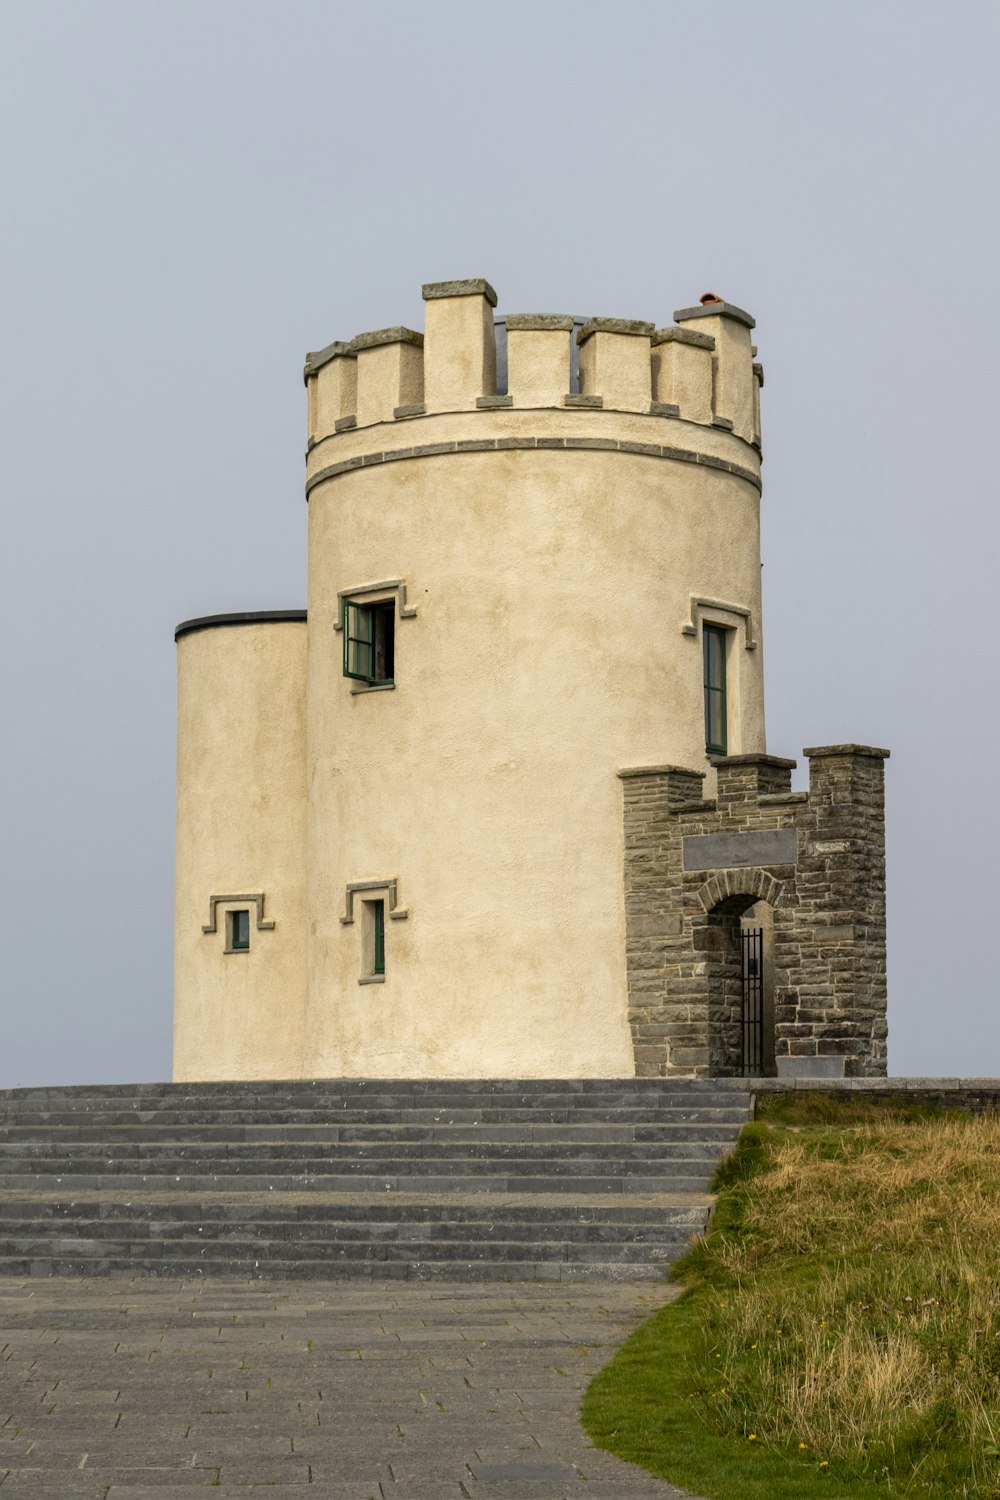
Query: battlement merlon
x,y
460,353
538,358
701,371
682,362
331,380
615,362
736,388
390,373
747,778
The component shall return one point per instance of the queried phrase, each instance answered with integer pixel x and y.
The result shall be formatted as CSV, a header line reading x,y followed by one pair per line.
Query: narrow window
x,y
714,640
369,642
239,931
378,932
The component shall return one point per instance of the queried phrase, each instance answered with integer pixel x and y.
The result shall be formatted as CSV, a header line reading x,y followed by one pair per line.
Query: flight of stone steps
x,y
477,1180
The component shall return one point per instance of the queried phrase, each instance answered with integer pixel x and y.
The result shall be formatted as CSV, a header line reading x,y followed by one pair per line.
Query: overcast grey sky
x,y
194,194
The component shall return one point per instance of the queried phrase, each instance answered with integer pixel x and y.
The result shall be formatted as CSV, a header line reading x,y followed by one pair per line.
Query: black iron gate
x,y
752,1032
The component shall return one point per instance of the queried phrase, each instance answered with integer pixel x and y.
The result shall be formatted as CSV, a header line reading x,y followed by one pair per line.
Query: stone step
x,y
247,1249
292,1156
693,1182
260,1121
279,1216
612,1269
347,1207
370,1089
405,1124
95,1232
329,1101
101,1236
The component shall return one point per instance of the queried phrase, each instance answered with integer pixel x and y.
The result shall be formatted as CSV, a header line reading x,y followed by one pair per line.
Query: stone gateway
x,y
499,803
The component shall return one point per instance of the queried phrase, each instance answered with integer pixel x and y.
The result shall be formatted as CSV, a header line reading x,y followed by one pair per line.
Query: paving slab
x,y
130,1388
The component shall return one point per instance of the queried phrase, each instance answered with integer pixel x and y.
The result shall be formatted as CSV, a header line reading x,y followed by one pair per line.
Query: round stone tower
x,y
516,589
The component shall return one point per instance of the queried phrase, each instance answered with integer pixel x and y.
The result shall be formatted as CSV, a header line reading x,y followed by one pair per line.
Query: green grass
x,y
838,1332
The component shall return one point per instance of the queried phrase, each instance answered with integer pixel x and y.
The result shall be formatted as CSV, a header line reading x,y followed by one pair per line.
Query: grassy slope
x,y
839,1332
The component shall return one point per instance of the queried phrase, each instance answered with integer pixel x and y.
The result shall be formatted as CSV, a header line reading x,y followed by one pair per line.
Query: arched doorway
x,y
757,936
737,940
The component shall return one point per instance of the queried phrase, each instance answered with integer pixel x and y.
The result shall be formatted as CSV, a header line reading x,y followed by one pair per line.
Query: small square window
x,y
238,924
369,641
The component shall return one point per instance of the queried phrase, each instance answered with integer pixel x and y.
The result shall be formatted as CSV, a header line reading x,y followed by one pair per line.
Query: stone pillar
x,y
741,779
830,1007
667,1014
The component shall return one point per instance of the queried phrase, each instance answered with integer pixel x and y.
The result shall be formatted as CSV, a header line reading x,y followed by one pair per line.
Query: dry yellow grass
x,y
856,1300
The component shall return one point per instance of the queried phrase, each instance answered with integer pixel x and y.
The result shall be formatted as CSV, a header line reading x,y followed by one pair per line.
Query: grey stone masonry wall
x,y
694,867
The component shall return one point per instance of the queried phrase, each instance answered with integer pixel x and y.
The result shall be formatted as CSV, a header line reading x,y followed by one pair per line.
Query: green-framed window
x,y
369,641
714,656
239,931
378,929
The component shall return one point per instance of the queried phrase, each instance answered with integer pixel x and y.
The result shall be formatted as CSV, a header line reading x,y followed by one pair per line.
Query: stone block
x,y
810,1067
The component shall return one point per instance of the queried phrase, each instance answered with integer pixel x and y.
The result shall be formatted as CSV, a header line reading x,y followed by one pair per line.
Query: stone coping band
x,y
380,336
243,617
871,752
632,327
476,287
628,771
684,336
890,1085
715,310
320,357
538,323
754,758
488,445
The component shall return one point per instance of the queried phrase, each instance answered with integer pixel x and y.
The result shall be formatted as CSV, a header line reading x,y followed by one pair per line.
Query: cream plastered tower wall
x,y
241,845
551,558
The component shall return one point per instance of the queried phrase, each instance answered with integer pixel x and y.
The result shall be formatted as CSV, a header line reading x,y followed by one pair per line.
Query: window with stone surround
x,y
373,941
714,644
238,931
369,641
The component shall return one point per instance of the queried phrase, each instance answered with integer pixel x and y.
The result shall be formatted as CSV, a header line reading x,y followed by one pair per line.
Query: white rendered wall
x,y
241,829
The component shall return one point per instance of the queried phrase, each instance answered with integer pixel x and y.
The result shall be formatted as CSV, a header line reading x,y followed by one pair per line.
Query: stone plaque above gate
x,y
729,851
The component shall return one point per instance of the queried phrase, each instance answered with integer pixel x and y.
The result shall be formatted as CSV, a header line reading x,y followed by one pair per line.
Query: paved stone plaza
x,y
123,1388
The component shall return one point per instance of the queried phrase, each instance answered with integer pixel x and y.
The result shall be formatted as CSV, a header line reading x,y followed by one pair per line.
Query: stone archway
x,y
695,865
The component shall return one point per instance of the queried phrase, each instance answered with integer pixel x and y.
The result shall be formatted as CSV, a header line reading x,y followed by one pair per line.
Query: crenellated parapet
x,y
687,391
